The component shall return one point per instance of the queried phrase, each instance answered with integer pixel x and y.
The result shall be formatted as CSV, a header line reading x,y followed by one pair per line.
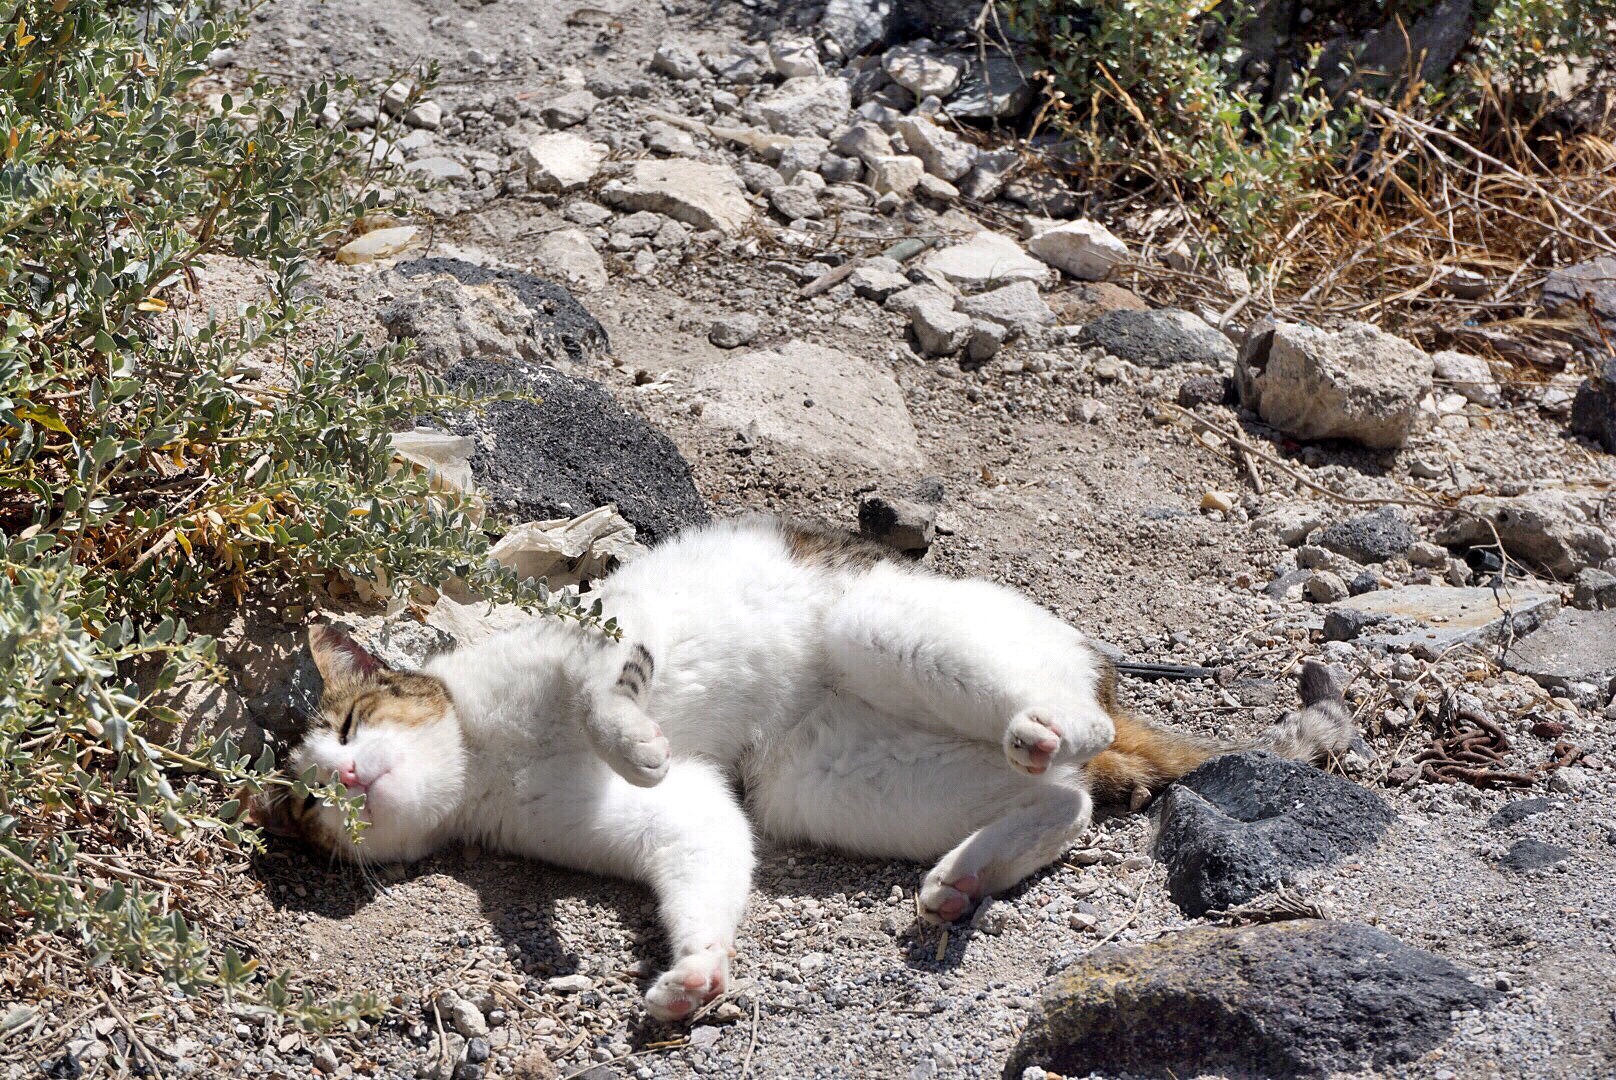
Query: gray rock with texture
x,y
1430,618
1017,307
1557,531
572,451
1245,823
1530,854
997,90
814,401
1592,282
1369,538
1355,383
1300,998
1161,338
456,310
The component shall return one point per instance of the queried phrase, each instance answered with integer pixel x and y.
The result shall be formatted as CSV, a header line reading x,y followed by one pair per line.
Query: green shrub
x,y
151,468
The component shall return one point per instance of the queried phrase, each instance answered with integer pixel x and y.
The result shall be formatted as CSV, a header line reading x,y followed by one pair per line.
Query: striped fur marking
x,y
635,678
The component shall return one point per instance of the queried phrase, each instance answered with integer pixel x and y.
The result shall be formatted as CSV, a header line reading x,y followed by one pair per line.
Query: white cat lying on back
x,y
861,703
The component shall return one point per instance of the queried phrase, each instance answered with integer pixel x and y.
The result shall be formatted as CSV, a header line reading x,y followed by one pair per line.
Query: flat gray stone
x,y
812,400
694,192
1437,616
1533,855
1576,647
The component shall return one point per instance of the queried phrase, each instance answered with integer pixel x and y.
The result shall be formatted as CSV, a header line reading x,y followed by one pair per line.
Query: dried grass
x,y
1443,238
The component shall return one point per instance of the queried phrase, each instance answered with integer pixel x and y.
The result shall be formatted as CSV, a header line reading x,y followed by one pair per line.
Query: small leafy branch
x,y
156,463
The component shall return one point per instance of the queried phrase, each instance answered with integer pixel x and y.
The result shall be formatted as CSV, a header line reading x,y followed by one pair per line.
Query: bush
x,y
153,466
1160,101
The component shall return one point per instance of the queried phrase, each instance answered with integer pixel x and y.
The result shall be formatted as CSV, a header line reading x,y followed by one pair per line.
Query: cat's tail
x,y
1145,758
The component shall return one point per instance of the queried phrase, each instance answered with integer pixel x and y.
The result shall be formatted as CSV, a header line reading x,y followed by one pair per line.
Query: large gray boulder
x,y
1301,998
1356,383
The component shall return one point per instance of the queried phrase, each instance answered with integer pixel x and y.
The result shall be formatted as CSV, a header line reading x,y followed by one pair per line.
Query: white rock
x,y
561,161
985,341
794,201
570,984
795,57
865,141
1085,250
568,109
425,114
461,1015
698,194
987,258
568,254
377,244
676,60
940,330
438,167
813,400
394,97
896,173
936,188
922,72
1468,375
1356,383
1017,307
806,105
946,155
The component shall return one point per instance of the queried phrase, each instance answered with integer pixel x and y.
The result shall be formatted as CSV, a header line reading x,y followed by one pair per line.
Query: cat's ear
x,y
271,811
339,657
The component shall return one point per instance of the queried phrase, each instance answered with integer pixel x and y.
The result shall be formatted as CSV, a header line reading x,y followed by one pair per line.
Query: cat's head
x,y
391,735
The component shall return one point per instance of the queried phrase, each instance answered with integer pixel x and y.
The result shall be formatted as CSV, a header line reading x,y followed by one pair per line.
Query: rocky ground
x,y
989,395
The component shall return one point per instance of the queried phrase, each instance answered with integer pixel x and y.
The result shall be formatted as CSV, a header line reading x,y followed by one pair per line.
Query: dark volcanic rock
x,y
1533,855
1593,413
1159,338
1370,538
1288,999
1519,810
1243,824
573,451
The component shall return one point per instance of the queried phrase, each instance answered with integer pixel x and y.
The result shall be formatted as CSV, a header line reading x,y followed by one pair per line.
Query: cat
x,y
861,702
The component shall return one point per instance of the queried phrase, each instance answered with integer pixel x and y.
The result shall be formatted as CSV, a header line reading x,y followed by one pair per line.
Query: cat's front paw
x,y
634,746
688,985
941,902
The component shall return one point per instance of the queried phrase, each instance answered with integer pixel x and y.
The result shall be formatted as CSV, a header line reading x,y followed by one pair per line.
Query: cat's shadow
x,y
519,900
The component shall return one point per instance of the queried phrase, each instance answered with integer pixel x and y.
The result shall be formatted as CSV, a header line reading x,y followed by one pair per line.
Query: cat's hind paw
x,y
942,902
1031,741
688,985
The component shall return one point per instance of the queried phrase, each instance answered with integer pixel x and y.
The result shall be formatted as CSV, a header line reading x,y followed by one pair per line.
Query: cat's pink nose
x,y
349,775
